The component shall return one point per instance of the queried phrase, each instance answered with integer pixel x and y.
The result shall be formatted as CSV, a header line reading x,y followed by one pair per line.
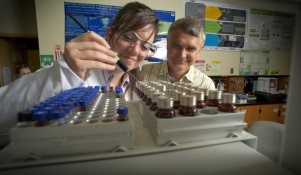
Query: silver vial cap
x,y
205,90
155,95
161,87
199,95
150,91
228,98
188,100
164,102
215,94
177,95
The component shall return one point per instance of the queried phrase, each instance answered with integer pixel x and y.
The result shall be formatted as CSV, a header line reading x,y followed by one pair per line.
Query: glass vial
x,y
24,119
206,93
200,100
177,99
188,106
165,107
153,106
122,114
104,89
214,98
227,102
119,92
150,96
41,118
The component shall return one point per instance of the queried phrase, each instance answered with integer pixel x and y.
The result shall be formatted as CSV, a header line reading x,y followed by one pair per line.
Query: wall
x,y
51,29
18,18
7,49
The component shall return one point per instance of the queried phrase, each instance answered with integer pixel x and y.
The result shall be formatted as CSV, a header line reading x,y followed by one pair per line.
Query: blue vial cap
x,y
57,114
40,115
104,88
122,110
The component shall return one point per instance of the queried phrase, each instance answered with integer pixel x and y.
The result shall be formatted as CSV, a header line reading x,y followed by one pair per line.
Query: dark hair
x,y
134,16
191,25
19,67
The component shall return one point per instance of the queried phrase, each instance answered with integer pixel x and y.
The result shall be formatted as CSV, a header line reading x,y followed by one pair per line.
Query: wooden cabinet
x,y
234,84
252,114
270,112
266,112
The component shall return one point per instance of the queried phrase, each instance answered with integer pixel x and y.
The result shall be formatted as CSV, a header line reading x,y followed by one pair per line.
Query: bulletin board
x,y
270,30
254,62
97,17
233,28
225,25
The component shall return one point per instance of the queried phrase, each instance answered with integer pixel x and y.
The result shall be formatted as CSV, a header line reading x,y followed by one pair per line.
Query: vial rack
x,y
207,125
86,123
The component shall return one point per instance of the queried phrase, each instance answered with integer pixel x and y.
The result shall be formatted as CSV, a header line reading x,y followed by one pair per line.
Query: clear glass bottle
x,y
227,102
122,114
214,98
165,107
188,106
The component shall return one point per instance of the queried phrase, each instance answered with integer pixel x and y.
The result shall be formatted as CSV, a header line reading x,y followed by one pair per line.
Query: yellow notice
x,y
216,67
212,13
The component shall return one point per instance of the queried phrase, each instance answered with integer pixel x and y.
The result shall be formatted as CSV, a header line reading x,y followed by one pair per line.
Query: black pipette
x,y
119,63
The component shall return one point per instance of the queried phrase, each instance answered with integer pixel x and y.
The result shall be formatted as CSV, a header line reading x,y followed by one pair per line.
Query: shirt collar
x,y
188,76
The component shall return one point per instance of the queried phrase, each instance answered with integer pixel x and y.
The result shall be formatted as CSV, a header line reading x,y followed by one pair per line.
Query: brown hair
x,y
19,67
133,16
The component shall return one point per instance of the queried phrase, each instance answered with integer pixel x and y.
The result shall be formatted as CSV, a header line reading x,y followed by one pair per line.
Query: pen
x,y
119,63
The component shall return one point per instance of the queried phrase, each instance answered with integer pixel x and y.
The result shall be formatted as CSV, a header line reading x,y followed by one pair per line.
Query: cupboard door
x,y
251,115
282,110
270,112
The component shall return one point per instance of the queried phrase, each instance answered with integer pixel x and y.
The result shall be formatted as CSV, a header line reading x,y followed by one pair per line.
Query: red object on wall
x,y
58,51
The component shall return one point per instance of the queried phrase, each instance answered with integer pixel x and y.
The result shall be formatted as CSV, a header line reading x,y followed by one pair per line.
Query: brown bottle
x,y
227,102
165,107
188,106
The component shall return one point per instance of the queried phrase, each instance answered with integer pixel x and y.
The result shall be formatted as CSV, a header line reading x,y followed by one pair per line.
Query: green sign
x,y
46,60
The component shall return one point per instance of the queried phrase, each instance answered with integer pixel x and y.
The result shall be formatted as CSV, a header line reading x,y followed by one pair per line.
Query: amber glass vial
x,y
165,107
200,101
177,99
214,98
150,96
188,106
227,102
122,114
153,106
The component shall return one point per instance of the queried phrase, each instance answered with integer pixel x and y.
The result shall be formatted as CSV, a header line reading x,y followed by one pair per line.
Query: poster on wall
x,y
97,17
270,30
254,62
225,25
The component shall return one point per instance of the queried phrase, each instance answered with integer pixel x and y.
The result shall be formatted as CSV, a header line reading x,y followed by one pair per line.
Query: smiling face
x,y
182,50
132,51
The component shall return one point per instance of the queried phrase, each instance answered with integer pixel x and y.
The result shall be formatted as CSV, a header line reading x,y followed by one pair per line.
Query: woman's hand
x,y
89,51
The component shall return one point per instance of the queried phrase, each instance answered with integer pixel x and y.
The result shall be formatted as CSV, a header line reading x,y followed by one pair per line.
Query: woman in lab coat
x,y
88,60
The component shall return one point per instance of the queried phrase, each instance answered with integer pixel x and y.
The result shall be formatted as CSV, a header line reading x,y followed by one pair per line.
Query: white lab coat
x,y
33,88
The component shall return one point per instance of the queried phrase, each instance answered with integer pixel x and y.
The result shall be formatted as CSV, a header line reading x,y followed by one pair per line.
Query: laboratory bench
x,y
234,154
